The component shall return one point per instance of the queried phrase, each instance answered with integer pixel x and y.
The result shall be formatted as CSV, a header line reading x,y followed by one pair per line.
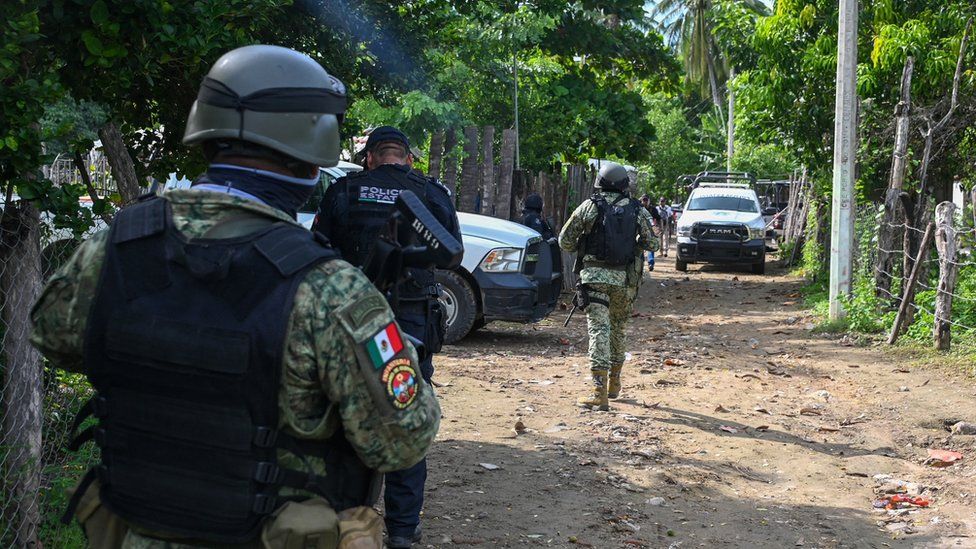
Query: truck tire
x,y
459,303
680,265
759,268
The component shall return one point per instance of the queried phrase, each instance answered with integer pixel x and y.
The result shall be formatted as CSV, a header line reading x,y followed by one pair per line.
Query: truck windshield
x,y
729,203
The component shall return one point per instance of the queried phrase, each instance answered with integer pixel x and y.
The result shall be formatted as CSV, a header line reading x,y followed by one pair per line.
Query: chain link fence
x,y
38,402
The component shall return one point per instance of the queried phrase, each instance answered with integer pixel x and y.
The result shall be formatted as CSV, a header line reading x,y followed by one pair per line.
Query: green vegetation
x,y
595,79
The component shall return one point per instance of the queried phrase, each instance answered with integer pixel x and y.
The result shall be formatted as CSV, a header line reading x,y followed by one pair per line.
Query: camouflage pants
x,y
606,324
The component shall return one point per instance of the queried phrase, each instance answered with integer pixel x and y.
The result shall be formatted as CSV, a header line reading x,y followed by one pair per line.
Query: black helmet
x,y
612,177
533,202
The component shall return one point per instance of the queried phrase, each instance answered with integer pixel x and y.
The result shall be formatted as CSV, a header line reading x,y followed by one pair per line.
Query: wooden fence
x,y
489,184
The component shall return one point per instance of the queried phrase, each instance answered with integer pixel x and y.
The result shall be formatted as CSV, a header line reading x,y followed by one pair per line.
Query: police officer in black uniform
x,y
352,214
532,216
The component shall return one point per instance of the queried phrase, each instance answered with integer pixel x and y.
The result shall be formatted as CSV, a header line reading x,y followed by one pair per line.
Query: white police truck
x,y
722,223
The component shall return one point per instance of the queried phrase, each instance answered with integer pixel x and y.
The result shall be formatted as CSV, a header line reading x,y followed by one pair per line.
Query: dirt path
x,y
737,427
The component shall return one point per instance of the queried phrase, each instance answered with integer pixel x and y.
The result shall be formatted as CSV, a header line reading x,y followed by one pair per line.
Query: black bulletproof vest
x,y
184,349
613,238
365,202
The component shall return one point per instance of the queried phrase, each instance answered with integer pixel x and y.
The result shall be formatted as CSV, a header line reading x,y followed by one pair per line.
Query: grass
x,y
915,348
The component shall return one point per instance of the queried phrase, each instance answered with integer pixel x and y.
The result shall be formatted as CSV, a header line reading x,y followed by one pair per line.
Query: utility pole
x,y
845,146
730,145
515,73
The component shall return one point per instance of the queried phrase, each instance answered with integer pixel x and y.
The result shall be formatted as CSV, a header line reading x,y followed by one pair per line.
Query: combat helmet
x,y
612,177
533,202
272,96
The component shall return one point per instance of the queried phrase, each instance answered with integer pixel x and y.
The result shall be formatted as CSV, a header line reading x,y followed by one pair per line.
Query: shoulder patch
x,y
384,362
400,379
356,316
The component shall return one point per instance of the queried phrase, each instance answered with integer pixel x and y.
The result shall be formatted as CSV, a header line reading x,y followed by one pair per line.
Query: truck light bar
x,y
727,185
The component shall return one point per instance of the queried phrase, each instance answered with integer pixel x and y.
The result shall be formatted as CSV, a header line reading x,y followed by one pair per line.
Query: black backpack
x,y
613,238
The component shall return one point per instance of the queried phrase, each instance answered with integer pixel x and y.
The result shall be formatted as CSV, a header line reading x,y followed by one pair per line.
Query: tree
x,y
582,71
688,26
676,151
28,82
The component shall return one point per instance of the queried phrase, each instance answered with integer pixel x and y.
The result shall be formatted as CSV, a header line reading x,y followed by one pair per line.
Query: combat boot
x,y
613,387
599,398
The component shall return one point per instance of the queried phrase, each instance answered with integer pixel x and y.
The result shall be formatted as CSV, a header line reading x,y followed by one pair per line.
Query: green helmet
x,y
612,176
275,97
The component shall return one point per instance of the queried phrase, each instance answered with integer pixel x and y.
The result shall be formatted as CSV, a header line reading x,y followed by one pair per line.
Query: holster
x,y
582,299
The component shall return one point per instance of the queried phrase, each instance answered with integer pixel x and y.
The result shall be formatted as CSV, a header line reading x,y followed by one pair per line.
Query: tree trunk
x,y
488,171
450,162
20,285
730,138
86,179
890,233
123,170
555,179
541,184
823,236
915,217
503,202
932,128
947,245
436,153
468,198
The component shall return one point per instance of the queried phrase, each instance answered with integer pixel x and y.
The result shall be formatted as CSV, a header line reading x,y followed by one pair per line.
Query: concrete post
x,y
845,147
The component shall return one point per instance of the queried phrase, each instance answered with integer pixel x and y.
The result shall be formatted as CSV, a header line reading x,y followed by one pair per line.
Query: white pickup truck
x,y
722,223
508,271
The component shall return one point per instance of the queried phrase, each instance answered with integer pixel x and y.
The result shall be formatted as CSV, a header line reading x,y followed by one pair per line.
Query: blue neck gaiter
x,y
276,190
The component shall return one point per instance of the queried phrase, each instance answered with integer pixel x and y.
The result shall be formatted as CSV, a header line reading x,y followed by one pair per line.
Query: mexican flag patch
x,y
384,345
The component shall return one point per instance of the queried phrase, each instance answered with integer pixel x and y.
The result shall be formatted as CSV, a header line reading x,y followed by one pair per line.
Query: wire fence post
x,y
908,292
947,245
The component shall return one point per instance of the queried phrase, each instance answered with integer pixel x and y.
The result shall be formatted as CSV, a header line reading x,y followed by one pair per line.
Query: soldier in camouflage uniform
x,y
250,384
611,230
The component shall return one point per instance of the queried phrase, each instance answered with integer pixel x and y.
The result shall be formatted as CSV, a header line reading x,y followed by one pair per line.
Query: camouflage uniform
x,y
322,385
615,285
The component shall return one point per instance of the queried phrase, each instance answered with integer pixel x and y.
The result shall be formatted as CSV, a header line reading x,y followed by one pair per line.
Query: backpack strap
x,y
144,218
290,249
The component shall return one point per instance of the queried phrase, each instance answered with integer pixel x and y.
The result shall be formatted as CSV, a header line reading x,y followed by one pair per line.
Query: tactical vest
x,y
613,237
184,349
365,202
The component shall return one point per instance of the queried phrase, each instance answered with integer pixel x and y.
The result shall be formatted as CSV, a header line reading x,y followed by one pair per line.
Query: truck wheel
x,y
759,268
460,306
680,265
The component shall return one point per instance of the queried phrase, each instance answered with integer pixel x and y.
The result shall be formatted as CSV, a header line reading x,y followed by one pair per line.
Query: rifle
x,y
414,239
582,297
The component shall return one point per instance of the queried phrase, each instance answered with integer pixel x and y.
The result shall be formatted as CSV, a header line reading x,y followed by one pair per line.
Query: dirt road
x,y
738,427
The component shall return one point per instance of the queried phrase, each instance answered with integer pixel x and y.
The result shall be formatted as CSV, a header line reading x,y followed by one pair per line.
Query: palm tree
x,y
687,27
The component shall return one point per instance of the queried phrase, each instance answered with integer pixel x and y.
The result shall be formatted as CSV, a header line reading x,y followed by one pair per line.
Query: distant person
x,y
666,217
532,216
645,201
